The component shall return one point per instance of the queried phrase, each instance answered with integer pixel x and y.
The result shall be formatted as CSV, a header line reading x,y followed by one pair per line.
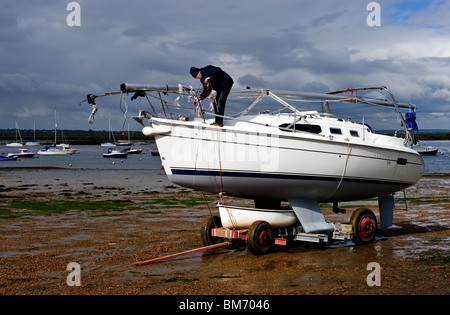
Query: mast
x,y
55,126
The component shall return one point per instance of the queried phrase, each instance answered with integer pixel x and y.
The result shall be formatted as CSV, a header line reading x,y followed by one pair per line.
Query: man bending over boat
x,y
214,78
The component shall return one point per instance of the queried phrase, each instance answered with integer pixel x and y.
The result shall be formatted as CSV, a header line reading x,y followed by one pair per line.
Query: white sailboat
x,y
60,149
18,143
110,142
303,157
125,143
33,142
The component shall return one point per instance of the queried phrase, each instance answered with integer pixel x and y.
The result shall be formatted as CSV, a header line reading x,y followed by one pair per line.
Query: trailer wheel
x,y
364,225
211,223
260,239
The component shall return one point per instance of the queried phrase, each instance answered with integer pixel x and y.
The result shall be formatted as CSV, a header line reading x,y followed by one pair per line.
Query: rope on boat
x,y
221,181
221,192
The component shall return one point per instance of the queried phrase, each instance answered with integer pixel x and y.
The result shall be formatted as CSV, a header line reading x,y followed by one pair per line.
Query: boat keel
x,y
310,216
386,207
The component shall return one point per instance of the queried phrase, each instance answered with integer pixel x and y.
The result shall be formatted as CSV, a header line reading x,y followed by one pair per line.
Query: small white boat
x,y
67,147
57,149
33,142
241,218
133,151
429,151
54,150
24,153
14,144
113,153
17,143
107,143
123,143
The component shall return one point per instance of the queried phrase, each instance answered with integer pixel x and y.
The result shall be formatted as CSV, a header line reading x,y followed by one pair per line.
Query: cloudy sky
x,y
318,45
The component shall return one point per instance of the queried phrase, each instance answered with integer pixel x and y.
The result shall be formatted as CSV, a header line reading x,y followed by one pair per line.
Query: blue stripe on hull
x,y
218,173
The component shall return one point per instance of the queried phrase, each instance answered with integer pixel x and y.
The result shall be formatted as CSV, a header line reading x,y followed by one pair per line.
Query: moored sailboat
x,y
18,142
57,149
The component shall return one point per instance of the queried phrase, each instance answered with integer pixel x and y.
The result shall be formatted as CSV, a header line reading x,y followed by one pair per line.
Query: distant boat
x,y
33,142
428,151
8,158
154,151
109,143
24,153
113,153
125,143
16,144
54,150
60,149
133,150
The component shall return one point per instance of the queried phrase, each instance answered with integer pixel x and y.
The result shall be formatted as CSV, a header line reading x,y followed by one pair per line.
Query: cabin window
x,y
301,127
336,131
354,133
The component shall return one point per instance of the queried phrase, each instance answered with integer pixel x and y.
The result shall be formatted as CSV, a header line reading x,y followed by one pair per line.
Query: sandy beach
x,y
105,221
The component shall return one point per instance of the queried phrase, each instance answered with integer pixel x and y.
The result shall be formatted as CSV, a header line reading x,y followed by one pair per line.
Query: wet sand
x,y
107,220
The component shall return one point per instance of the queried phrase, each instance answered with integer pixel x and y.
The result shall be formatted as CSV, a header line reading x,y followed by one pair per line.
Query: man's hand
x,y
196,101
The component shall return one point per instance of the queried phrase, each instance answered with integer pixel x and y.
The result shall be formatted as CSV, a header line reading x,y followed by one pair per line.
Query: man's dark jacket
x,y
218,81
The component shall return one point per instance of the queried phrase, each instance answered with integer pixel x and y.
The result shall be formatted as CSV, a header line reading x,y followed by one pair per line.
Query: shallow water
x,y
89,157
439,164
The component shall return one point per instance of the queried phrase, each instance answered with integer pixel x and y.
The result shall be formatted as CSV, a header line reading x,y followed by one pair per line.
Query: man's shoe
x,y
216,124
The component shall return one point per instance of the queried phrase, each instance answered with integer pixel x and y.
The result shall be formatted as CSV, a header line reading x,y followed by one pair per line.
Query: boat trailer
x,y
261,238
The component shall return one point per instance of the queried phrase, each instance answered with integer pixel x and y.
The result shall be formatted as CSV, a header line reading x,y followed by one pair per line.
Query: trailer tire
x,y
364,225
260,238
210,223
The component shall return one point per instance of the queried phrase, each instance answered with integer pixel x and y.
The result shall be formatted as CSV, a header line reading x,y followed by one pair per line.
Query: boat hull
x,y
14,145
252,164
57,152
115,156
22,155
429,153
8,158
